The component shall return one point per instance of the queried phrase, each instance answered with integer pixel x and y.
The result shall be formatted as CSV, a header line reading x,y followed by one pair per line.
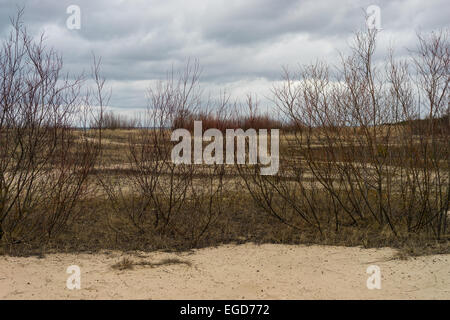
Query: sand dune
x,y
231,272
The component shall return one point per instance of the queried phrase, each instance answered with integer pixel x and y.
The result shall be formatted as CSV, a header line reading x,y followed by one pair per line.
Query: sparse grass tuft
x,y
164,262
128,264
124,264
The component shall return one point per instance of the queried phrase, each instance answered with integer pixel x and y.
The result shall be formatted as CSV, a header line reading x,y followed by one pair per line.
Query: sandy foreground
x,y
246,271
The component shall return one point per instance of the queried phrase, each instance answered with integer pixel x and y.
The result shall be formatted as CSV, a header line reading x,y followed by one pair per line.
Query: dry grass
x,y
96,227
128,264
124,264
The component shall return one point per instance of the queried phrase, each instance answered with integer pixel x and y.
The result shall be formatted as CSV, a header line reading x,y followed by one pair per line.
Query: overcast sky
x,y
241,45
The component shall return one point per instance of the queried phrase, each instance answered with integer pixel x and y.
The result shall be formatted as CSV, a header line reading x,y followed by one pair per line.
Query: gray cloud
x,y
241,45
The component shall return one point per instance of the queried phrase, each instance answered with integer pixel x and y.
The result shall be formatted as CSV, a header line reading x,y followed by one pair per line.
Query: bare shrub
x,y
359,154
44,161
166,198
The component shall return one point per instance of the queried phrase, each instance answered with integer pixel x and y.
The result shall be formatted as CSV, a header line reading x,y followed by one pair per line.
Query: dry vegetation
x,y
358,167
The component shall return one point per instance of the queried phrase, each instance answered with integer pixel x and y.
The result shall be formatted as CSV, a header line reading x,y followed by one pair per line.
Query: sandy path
x,y
231,272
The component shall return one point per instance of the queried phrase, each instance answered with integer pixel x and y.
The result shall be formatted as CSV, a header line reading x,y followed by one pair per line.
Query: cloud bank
x,y
241,45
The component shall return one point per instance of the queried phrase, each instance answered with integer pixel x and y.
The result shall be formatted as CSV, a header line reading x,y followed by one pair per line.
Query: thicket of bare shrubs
x,y
363,158
224,114
44,162
113,121
364,150
156,196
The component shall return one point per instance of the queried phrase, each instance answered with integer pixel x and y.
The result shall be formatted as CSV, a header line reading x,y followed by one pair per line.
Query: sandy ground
x,y
231,272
